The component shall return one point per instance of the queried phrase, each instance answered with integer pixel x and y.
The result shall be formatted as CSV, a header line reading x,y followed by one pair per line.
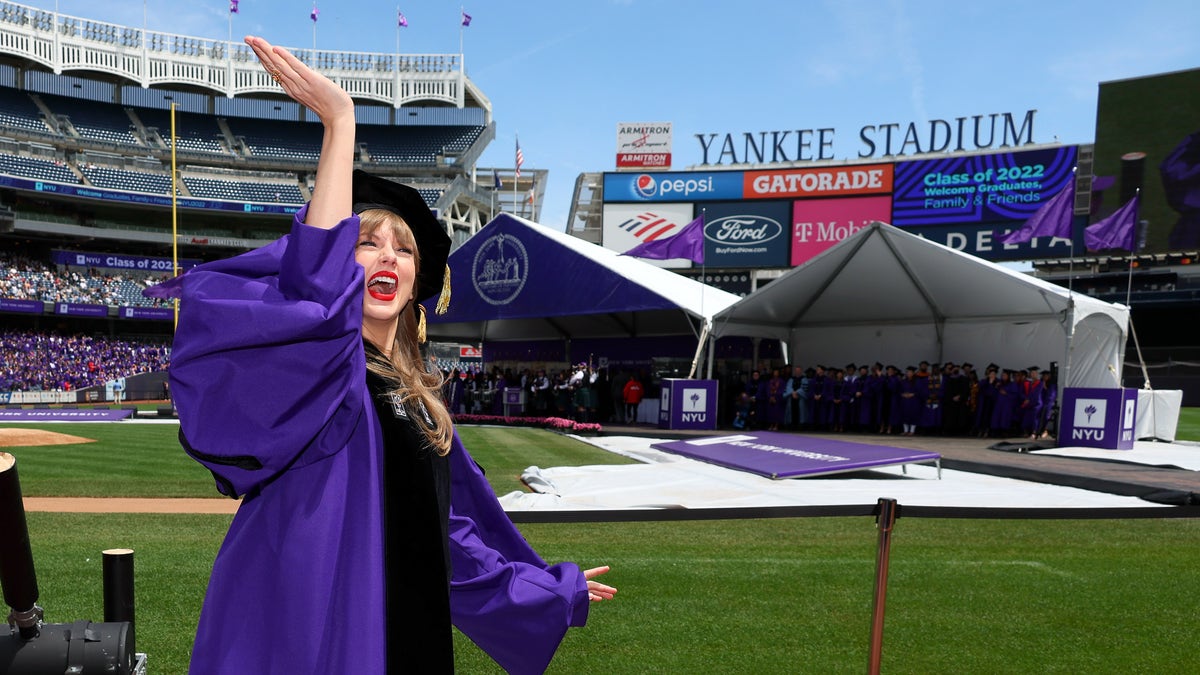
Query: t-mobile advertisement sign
x,y
818,224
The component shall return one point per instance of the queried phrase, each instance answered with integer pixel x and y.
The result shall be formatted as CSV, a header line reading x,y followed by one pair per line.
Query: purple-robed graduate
x,y
365,528
931,411
268,374
1031,406
1007,400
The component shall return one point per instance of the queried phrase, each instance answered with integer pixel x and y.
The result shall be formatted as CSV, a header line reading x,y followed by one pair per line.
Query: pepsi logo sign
x,y
743,229
645,186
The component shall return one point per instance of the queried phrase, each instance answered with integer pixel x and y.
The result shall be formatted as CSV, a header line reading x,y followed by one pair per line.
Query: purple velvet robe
x,y
268,375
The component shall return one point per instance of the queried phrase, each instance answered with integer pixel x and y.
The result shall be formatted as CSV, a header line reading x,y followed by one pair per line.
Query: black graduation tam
x,y
967,364
433,244
1033,369
879,365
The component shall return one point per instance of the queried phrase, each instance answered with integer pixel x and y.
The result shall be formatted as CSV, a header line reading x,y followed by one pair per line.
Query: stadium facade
x,y
773,200
94,116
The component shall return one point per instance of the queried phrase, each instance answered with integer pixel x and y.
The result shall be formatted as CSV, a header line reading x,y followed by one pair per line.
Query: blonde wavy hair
x,y
406,370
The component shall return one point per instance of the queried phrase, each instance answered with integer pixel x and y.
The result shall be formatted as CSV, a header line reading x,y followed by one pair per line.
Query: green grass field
x,y
754,596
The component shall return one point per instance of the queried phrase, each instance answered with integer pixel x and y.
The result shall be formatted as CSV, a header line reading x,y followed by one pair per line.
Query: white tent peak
x,y
887,294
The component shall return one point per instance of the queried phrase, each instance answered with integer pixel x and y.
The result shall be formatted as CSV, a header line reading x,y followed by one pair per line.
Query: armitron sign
x,y
642,145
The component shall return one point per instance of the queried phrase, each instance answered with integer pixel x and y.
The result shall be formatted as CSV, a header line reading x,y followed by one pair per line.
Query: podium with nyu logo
x,y
1098,418
688,404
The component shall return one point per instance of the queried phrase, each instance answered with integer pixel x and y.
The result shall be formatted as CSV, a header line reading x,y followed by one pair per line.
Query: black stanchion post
x,y
118,589
16,557
885,521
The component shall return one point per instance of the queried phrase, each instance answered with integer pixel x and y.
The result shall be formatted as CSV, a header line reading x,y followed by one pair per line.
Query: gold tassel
x,y
421,324
443,304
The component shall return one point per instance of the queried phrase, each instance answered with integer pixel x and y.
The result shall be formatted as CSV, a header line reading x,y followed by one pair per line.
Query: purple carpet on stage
x,y
776,455
63,415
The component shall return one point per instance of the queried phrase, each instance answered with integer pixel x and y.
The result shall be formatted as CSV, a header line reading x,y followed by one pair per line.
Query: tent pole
x,y
712,348
699,350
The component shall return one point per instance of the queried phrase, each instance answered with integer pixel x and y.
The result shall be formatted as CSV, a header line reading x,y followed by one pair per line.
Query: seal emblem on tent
x,y
500,269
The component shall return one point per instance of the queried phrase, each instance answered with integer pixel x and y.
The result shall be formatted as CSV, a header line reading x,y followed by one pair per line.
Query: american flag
x,y
520,158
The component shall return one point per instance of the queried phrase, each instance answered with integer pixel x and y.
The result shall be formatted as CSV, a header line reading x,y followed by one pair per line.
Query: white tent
x,y
518,280
886,294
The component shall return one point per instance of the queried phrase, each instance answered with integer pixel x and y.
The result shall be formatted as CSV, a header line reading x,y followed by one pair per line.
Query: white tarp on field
x,y
665,480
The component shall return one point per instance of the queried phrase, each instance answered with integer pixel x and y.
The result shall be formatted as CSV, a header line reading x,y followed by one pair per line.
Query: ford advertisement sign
x,y
747,234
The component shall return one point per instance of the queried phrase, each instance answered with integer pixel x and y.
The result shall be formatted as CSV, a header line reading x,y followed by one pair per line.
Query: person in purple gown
x,y
889,411
776,402
365,527
1007,400
910,399
1031,403
985,404
866,389
931,408
1049,400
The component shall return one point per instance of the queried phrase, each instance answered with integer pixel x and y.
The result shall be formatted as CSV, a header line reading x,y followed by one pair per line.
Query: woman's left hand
x,y
596,590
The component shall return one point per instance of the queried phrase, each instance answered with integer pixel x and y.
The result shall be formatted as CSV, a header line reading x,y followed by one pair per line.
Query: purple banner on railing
x,y
23,306
159,313
80,309
63,415
121,261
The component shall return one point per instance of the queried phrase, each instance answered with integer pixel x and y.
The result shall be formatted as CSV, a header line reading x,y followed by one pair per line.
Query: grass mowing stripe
x,y
737,596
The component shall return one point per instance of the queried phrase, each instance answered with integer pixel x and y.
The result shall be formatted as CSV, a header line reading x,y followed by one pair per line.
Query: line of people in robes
x,y
931,399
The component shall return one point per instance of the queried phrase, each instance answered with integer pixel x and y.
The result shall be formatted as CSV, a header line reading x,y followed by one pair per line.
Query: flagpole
x,y
174,210
462,12
516,172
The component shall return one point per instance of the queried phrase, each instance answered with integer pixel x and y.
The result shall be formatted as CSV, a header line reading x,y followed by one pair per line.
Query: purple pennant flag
x,y
1115,231
233,6
466,19
1052,220
401,20
687,244
313,16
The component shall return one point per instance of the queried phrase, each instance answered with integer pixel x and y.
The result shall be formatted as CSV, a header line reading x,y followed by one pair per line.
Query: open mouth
x,y
382,286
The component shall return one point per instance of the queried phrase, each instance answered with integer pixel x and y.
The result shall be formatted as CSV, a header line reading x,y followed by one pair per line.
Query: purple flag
x,y
496,177
233,8
687,244
1115,231
313,16
401,20
466,19
1052,220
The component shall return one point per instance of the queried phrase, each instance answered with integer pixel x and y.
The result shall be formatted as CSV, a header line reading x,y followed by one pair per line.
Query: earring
x,y
421,324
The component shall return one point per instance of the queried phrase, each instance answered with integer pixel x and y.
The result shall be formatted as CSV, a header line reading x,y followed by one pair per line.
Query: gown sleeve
x,y
504,597
266,368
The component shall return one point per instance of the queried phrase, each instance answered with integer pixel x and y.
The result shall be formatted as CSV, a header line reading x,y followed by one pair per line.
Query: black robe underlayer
x,y
416,551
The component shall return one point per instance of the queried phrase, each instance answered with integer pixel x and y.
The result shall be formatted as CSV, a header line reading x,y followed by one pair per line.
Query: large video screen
x,y
1148,135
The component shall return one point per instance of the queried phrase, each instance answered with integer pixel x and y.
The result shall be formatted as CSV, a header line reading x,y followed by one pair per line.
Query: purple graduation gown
x,y
268,374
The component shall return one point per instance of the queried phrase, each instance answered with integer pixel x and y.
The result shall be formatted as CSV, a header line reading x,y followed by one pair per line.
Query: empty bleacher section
x,y
195,133
416,145
19,111
127,181
93,120
36,168
269,139
249,190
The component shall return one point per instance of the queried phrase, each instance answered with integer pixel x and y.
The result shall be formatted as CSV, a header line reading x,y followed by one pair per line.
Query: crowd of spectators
x,y
22,278
33,361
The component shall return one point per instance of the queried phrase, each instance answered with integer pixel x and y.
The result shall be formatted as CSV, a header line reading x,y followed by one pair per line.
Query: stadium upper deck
x,y
86,104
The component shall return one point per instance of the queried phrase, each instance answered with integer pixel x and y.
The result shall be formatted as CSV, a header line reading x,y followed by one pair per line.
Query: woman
x,y
365,526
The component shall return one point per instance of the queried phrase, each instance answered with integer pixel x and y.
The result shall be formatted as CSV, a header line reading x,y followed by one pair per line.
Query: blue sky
x,y
564,74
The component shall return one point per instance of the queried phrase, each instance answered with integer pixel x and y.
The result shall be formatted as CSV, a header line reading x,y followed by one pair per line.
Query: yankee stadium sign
x,y
977,132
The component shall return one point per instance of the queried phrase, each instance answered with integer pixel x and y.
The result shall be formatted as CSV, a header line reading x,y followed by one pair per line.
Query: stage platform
x,y
779,455
974,475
